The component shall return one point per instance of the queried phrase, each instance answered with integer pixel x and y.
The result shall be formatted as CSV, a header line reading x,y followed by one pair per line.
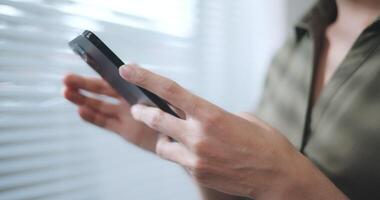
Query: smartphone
x,y
99,57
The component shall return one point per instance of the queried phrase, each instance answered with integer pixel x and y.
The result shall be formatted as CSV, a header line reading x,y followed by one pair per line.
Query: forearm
x,y
313,186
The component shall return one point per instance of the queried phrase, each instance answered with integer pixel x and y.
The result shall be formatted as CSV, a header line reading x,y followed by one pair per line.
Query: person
x,y
315,134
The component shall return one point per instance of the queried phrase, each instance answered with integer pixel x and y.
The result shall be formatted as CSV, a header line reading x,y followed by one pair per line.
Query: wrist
x,y
297,181
302,180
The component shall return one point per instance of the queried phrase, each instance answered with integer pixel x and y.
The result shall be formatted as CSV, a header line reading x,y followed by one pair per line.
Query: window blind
x,y
218,49
46,151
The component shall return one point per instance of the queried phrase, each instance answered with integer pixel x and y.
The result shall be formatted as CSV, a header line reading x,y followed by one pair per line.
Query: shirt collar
x,y
317,19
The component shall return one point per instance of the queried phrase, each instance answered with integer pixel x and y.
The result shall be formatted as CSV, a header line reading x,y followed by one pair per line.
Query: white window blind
x,y
215,48
46,151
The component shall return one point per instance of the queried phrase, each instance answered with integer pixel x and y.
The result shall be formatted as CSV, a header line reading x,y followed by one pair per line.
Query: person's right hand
x,y
117,118
114,117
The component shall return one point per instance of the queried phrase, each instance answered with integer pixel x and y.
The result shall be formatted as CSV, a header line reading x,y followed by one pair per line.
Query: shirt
x,y
340,132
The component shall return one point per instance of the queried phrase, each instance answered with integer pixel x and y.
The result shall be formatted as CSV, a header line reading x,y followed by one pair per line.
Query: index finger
x,y
95,85
163,87
160,121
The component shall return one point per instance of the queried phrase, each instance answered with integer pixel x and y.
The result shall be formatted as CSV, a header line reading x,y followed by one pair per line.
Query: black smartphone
x,y
99,57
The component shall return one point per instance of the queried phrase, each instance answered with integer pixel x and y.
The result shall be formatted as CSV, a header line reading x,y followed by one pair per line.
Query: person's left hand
x,y
220,150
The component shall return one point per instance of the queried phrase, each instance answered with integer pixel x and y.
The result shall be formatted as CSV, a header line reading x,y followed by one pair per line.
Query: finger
x,y
95,85
98,118
160,121
95,104
172,151
163,87
179,112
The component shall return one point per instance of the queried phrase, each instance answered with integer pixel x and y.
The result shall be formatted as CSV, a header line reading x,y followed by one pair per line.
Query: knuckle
x,y
100,121
97,88
196,107
160,149
141,77
212,119
156,118
96,104
99,106
199,145
84,116
171,88
200,171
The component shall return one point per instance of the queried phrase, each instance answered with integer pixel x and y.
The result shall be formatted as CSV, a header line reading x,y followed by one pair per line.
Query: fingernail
x,y
127,72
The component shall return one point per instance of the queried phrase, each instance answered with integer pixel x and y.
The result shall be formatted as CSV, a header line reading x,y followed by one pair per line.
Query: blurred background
x,y
218,49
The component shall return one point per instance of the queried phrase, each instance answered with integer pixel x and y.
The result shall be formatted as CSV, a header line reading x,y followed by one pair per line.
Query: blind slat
x,y
46,150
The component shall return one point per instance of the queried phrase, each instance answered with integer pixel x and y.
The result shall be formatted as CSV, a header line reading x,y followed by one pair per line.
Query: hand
x,y
224,151
114,117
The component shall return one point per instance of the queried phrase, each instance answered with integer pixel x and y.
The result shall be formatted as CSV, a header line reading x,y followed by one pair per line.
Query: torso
x,y
344,128
338,41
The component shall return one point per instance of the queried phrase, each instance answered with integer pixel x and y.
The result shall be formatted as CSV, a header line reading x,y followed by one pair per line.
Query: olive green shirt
x,y
340,132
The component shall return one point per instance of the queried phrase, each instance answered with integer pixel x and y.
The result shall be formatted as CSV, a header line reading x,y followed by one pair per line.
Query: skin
x,y
114,117
227,155
353,17
236,155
